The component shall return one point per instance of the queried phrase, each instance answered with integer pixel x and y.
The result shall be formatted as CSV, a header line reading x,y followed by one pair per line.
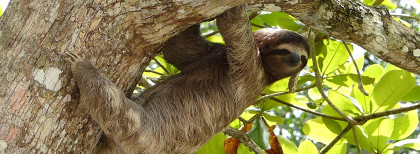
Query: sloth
x,y
216,84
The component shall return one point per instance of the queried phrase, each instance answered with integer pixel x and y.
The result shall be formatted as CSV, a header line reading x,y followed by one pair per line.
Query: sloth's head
x,y
283,53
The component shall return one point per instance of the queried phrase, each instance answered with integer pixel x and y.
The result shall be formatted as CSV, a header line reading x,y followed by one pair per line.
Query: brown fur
x,y
182,113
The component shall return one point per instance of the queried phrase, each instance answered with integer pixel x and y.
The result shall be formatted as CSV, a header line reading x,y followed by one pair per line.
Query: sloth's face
x,y
283,53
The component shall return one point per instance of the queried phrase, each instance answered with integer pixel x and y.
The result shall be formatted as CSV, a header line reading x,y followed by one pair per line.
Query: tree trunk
x,y
38,98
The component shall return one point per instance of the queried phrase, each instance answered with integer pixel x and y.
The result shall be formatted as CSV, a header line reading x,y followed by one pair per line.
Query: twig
x,y
336,139
253,15
161,65
151,71
244,139
406,16
363,119
359,150
319,79
211,34
250,119
259,26
358,72
309,111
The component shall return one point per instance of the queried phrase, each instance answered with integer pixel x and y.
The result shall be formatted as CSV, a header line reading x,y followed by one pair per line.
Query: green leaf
x,y
215,145
405,125
269,104
286,21
216,39
346,104
391,88
389,4
368,2
337,127
314,94
379,130
388,149
1,11
374,71
306,78
307,147
408,143
280,85
316,130
287,145
172,69
334,126
338,148
248,114
272,120
362,99
259,134
361,138
352,69
336,56
242,149
265,19
413,95
348,80
390,67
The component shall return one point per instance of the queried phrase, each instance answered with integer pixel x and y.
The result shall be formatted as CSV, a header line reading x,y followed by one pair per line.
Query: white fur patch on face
x,y
293,48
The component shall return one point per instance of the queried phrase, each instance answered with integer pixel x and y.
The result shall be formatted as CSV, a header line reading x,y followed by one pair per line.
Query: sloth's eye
x,y
303,59
282,52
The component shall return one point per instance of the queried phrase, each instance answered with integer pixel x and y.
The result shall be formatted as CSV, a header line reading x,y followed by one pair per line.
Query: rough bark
x,y
39,101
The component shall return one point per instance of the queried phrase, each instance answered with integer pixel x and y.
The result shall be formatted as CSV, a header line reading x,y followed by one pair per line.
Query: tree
x,y
38,99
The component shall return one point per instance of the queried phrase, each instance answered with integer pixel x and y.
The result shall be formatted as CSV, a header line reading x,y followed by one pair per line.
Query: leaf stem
x,y
161,65
357,69
319,79
309,111
356,140
336,139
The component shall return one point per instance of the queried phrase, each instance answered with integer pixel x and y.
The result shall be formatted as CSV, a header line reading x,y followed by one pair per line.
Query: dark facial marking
x,y
282,52
303,59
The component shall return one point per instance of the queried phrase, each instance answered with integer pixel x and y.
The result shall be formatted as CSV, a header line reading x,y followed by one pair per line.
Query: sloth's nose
x,y
294,59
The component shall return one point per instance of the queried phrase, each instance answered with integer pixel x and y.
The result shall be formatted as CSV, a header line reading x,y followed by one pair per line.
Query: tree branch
x,y
363,119
336,139
244,139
